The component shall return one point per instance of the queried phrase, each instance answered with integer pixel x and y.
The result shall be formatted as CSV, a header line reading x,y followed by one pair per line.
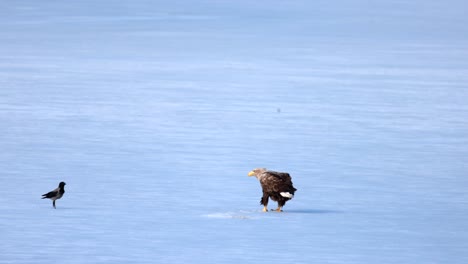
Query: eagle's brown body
x,y
275,185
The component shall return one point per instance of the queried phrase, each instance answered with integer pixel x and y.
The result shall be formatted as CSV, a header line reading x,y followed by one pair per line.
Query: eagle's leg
x,y
53,203
280,206
279,209
264,202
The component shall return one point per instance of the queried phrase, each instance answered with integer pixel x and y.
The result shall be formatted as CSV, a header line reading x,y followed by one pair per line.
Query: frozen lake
x,y
153,113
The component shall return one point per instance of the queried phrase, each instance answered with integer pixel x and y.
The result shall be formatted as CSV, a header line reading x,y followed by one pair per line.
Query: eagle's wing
x,y
279,182
283,176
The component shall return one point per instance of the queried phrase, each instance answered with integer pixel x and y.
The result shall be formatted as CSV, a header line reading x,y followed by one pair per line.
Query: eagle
x,y
275,185
55,194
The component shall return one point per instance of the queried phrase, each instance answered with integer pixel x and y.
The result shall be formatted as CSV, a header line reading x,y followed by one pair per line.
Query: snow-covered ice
x,y
153,113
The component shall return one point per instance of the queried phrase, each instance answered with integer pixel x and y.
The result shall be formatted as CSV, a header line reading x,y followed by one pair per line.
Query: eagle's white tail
x,y
287,195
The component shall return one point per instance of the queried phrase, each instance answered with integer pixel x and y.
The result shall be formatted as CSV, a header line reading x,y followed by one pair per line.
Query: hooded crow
x,y
55,194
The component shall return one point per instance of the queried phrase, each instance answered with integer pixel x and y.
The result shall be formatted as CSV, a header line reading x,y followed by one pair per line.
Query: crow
x,y
55,194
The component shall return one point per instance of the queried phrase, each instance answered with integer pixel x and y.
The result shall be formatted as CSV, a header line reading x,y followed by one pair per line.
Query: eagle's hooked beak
x,y
252,173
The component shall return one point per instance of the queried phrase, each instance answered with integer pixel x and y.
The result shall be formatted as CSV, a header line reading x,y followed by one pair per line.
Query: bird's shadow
x,y
313,211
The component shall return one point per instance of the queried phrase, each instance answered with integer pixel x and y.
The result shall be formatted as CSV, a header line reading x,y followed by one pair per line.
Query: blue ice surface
x,y
154,112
